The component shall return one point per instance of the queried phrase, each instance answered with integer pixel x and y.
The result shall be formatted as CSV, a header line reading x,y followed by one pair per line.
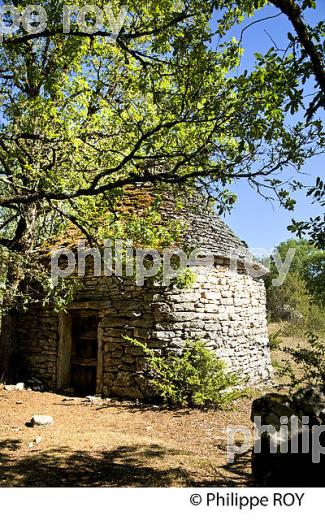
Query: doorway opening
x,y
84,352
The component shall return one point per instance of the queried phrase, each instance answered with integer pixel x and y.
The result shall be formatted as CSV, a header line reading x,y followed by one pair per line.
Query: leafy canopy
x,y
82,118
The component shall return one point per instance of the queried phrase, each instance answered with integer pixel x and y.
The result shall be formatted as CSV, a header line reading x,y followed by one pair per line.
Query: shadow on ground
x,y
126,466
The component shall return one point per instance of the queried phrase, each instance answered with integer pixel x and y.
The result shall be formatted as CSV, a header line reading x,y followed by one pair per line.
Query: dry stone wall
x,y
38,342
224,308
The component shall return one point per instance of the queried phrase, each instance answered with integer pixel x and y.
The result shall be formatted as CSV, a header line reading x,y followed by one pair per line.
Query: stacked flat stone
x,y
225,308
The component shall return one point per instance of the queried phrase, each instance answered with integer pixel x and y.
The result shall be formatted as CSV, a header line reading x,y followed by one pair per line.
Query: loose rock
x,y
42,420
92,398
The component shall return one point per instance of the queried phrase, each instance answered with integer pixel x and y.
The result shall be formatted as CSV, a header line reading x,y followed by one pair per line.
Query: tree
x,y
314,227
315,276
151,85
311,45
310,63
307,46
301,296
82,118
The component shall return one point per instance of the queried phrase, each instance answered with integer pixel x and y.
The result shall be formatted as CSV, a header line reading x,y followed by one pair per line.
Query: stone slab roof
x,y
203,228
201,225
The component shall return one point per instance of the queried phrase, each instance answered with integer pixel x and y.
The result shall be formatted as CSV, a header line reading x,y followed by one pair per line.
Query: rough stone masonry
x,y
225,307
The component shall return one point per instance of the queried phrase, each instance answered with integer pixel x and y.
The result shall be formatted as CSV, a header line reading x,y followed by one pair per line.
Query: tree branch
x,y
292,10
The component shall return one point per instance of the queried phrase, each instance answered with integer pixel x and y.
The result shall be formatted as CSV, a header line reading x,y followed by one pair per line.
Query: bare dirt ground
x,y
117,444
114,444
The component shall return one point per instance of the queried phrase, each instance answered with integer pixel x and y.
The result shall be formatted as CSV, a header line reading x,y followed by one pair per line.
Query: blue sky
x,y
257,221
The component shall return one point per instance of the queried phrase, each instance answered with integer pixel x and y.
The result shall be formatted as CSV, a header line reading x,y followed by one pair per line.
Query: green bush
x,y
293,304
195,378
275,340
300,299
185,279
313,319
292,295
310,363
316,318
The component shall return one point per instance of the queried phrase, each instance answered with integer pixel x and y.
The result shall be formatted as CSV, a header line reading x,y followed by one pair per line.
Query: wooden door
x,y
84,352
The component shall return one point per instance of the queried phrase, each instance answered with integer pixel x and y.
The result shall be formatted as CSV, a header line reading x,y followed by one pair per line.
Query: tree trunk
x,y
8,351
9,368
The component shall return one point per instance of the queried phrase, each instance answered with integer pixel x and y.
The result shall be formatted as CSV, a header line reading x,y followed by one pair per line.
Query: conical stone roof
x,y
202,227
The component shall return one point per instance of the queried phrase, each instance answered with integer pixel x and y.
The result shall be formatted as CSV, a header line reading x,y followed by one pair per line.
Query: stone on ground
x,y
92,398
42,420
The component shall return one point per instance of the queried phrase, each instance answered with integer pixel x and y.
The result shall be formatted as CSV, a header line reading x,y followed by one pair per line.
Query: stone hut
x,y
85,348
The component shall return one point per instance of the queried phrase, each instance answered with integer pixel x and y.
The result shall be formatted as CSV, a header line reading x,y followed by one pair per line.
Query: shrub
x,y
195,378
310,362
292,295
275,340
313,319
293,304
185,279
300,299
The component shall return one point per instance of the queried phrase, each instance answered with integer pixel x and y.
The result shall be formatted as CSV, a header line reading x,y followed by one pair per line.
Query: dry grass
x,y
110,443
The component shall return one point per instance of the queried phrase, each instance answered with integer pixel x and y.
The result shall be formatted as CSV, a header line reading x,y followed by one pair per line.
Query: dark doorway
x,y
84,352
